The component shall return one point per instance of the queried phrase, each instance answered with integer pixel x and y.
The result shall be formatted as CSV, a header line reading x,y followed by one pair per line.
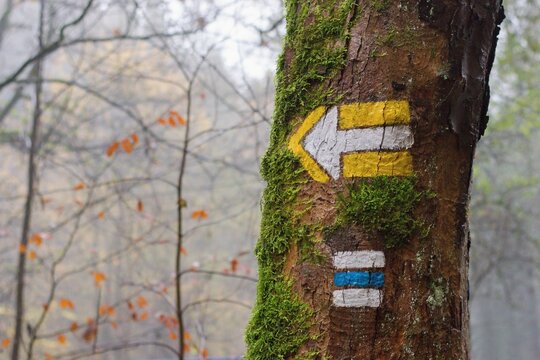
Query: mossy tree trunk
x,y
363,251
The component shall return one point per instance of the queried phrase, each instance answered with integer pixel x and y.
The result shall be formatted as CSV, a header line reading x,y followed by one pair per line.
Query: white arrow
x,y
325,143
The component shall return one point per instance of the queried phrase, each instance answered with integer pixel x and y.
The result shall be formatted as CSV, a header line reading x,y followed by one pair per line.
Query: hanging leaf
x,y
107,310
79,186
234,265
127,145
171,121
99,277
183,251
36,239
101,215
73,327
141,302
6,343
140,206
187,335
66,304
61,339
178,117
112,148
114,325
162,121
135,138
199,214
204,354
22,248
172,335
144,315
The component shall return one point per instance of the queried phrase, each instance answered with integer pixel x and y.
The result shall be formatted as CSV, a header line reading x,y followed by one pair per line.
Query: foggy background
x,y
117,90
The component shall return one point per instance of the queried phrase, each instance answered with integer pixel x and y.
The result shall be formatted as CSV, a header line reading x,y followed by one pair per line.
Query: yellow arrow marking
x,y
374,114
369,164
295,144
364,163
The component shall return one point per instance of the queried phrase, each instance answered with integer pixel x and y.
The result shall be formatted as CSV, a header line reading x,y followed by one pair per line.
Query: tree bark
x,y
363,251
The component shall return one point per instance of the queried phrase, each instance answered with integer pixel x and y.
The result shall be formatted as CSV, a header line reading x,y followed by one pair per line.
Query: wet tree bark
x,y
423,65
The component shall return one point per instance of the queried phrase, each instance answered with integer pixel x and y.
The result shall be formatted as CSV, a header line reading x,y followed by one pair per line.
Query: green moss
x,y
384,205
380,5
317,42
278,328
315,50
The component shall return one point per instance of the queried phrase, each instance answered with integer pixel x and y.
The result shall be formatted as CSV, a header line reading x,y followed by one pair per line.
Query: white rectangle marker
x,y
358,259
357,298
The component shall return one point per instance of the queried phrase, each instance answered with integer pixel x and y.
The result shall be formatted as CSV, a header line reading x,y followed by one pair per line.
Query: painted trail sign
x,y
356,140
363,252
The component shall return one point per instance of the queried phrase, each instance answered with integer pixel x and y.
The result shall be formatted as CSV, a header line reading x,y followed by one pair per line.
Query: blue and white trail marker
x,y
360,278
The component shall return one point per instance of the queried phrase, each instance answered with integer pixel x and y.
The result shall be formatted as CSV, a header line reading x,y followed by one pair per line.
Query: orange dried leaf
x,y
99,277
186,348
199,214
130,305
172,335
178,118
183,250
66,304
79,186
36,239
234,265
114,325
32,255
6,343
187,336
22,248
204,353
140,206
127,146
144,316
73,327
48,356
135,138
61,339
171,121
107,310
101,215
112,148
141,302
45,307
162,121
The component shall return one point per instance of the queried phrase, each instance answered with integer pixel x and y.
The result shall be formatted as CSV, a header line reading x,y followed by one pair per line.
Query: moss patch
x,y
384,205
315,50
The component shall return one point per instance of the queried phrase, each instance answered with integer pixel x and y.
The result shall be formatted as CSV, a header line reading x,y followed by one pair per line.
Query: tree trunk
x,y
364,240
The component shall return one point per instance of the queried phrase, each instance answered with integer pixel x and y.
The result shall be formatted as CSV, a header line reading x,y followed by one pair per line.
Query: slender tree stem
x,y
34,148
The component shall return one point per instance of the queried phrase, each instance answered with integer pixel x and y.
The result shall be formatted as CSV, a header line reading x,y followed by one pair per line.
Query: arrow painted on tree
x,y
355,140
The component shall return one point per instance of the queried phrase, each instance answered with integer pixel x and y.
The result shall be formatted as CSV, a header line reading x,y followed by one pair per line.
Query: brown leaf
x,y
140,206
127,145
66,304
112,148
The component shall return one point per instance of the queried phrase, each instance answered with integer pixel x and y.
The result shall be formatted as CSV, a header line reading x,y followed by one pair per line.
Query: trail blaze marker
x,y
357,282
355,140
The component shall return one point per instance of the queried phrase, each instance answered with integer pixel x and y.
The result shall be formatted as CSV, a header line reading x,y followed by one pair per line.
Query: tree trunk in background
x,y
364,240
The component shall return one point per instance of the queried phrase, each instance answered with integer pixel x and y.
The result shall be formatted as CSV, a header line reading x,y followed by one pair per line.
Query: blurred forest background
x,y
124,123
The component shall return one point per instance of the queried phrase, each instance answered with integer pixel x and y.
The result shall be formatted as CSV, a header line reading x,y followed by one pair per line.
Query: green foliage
x,y
384,205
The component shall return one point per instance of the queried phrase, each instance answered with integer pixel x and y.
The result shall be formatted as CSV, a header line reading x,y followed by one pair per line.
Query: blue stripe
x,y
359,278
